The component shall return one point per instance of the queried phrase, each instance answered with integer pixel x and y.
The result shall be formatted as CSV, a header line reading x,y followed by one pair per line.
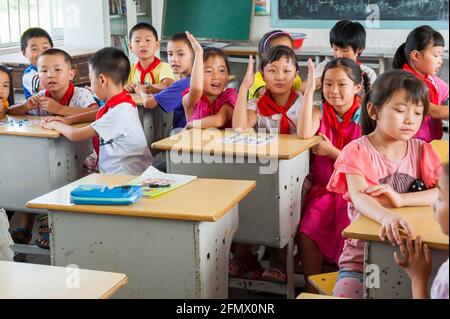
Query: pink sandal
x,y
274,275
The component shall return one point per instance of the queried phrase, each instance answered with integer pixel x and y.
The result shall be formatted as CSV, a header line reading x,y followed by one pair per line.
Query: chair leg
x,y
290,270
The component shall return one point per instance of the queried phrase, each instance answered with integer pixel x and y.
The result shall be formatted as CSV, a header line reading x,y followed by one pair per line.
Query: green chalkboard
x,y
227,20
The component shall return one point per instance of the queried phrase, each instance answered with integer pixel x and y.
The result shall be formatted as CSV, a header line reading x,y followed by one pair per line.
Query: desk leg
x,y
162,258
393,281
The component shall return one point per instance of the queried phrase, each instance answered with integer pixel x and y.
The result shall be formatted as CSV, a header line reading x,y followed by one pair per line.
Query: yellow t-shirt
x,y
259,83
161,72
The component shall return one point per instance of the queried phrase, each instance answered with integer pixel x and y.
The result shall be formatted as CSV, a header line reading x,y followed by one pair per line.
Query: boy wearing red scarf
x,y
117,133
60,96
149,72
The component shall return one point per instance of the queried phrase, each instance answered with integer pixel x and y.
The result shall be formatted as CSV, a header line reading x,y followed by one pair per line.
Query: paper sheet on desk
x,y
248,139
165,182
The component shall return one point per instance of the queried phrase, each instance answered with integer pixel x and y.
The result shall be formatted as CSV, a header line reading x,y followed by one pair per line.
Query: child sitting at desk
x,y
348,40
208,103
276,111
383,168
180,56
336,120
117,133
149,72
421,55
6,93
60,96
417,257
33,42
271,39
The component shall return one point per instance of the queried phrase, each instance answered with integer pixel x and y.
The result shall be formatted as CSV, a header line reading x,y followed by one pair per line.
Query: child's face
x,y
339,90
279,75
440,205
55,73
35,46
429,61
215,75
399,118
347,52
4,87
180,57
96,84
144,44
280,41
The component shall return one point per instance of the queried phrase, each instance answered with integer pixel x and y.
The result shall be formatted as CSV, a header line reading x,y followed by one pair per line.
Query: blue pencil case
x,y
103,195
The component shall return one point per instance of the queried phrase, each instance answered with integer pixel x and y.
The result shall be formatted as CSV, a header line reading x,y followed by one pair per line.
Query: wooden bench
x,y
324,283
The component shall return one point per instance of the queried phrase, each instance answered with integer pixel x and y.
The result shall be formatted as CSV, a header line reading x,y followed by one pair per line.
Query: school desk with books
x,y
278,163
32,281
35,161
390,281
175,245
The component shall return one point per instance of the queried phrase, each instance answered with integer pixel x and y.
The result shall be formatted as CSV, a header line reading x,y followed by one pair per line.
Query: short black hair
x,y
8,71
210,52
183,38
276,53
33,33
143,26
53,51
346,33
111,62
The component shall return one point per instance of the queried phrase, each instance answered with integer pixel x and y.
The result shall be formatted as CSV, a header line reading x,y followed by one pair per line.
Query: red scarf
x,y
67,96
268,107
330,116
434,96
148,70
123,97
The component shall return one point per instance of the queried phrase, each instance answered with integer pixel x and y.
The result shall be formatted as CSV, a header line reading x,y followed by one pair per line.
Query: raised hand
x,y
196,46
249,77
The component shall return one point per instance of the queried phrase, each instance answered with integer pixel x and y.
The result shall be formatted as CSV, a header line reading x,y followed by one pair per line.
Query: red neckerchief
x,y
330,115
434,96
148,70
268,107
67,96
123,97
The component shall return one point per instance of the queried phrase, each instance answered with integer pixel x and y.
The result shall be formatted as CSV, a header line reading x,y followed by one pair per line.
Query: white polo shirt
x,y
123,147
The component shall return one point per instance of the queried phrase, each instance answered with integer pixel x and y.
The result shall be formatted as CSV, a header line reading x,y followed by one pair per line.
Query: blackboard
x,y
372,13
226,20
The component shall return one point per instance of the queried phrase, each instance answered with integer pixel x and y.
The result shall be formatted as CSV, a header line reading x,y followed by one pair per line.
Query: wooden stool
x,y
324,283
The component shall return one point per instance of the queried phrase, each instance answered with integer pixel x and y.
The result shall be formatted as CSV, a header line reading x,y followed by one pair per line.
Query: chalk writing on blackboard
x,y
389,10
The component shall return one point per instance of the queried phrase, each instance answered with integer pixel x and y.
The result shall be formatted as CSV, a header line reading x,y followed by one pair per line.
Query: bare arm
x,y
21,109
72,133
217,120
156,88
148,100
438,111
196,87
309,118
242,117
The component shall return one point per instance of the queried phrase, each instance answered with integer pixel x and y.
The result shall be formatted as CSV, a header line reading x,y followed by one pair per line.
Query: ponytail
x,y
368,124
366,82
400,57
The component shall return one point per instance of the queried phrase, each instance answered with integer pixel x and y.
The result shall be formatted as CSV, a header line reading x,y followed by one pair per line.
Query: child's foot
x,y
274,274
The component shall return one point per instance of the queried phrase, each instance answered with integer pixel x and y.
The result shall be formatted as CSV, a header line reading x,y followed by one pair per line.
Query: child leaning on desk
x,y
383,168
117,133
417,257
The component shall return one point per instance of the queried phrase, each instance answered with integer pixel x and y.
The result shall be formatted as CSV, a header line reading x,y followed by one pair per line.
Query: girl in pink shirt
x,y
208,103
417,258
382,168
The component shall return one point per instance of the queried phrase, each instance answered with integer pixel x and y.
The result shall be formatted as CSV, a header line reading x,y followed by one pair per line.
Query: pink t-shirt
x,y
439,289
361,158
442,88
203,108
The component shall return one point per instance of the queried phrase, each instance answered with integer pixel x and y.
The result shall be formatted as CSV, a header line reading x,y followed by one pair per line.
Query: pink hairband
x,y
272,35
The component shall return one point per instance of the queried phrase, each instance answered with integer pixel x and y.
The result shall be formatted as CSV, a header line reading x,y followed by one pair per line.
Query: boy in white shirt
x,y
117,133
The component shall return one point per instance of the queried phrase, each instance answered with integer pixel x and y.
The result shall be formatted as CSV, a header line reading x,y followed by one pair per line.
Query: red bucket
x,y
297,40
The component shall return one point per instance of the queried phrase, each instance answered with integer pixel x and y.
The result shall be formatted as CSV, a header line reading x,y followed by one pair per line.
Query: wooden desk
x,y
33,162
270,215
441,148
305,295
32,281
393,280
80,61
176,245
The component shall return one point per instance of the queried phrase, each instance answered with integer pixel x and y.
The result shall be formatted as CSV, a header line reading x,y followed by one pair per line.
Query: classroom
x,y
239,149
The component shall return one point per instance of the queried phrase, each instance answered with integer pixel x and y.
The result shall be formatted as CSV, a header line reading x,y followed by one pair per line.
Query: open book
x,y
155,182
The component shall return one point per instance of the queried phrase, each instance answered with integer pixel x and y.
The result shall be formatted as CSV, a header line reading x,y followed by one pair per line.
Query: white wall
x,y
376,38
84,24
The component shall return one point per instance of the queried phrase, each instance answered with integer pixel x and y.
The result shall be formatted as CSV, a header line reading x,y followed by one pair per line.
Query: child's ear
x,y
158,44
371,110
414,55
103,80
357,88
72,73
